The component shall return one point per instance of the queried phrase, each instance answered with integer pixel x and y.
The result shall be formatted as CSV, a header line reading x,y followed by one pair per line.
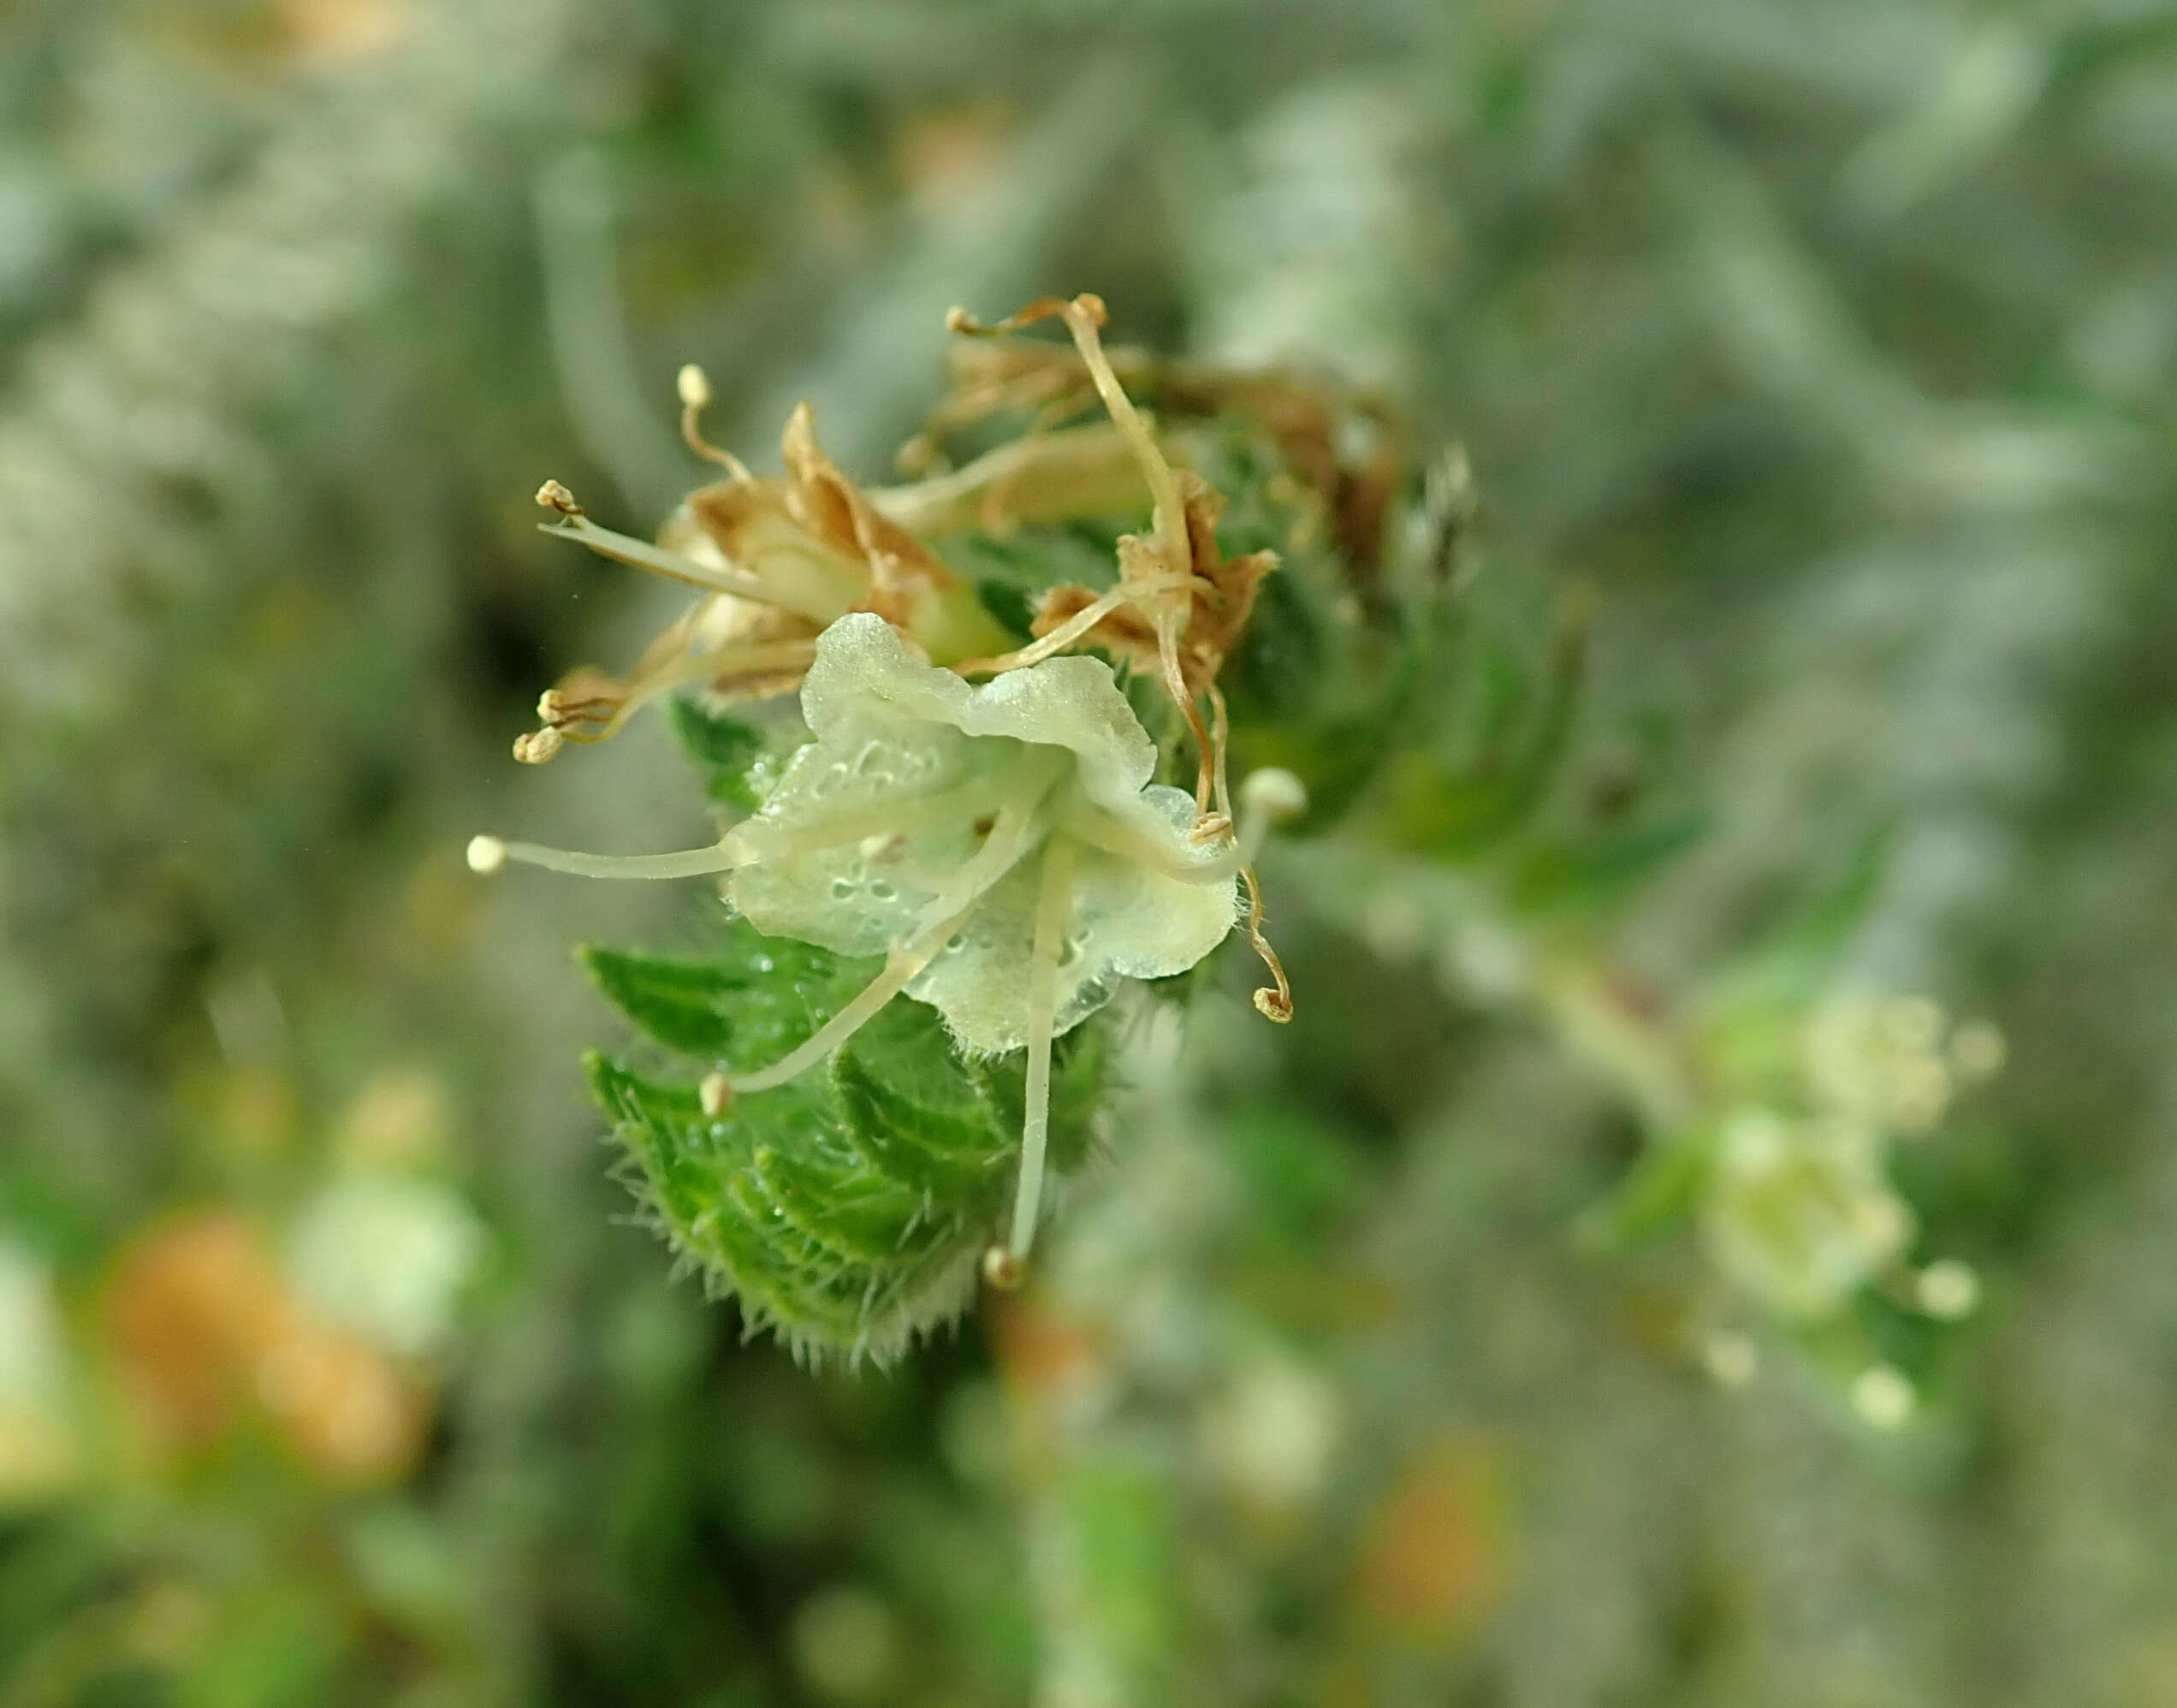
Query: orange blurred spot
x,y
345,1405
1058,1372
193,1305
945,154
1433,1563
344,32
1046,1354
262,39
204,1332
399,1119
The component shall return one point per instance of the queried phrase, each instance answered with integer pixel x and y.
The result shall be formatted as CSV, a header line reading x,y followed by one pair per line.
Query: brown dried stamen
x,y
1189,605
694,386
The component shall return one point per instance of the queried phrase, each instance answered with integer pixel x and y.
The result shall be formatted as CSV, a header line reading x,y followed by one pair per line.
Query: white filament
x,y
901,967
488,854
1054,912
1057,640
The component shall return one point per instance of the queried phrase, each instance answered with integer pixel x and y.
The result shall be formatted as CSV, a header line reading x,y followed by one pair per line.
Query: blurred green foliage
x,y
1810,647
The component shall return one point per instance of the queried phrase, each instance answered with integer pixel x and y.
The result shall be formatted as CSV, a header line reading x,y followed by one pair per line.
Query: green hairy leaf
x,y
847,1209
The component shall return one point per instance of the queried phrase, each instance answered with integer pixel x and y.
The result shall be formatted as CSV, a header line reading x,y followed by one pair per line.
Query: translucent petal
x,y
909,770
894,808
1067,702
1128,922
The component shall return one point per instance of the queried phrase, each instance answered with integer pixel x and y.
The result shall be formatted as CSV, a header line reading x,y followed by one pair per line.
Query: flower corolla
x,y
924,800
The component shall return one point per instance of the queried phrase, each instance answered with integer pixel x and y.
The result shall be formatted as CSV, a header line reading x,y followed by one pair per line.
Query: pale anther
x,y
538,746
1947,1290
1275,793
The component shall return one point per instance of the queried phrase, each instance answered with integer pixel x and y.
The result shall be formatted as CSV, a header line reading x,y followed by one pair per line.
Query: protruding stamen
x,y
1220,731
574,524
1054,912
1272,795
1046,474
676,566
694,386
599,716
1272,1004
887,826
1167,596
1175,683
715,1094
1269,795
1166,592
1084,317
488,854
902,967
1050,646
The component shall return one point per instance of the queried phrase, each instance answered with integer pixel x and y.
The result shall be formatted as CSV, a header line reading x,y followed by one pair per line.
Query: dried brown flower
x,y
779,559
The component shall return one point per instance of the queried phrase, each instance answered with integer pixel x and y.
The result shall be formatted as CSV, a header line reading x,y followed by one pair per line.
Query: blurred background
x,y
1821,355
